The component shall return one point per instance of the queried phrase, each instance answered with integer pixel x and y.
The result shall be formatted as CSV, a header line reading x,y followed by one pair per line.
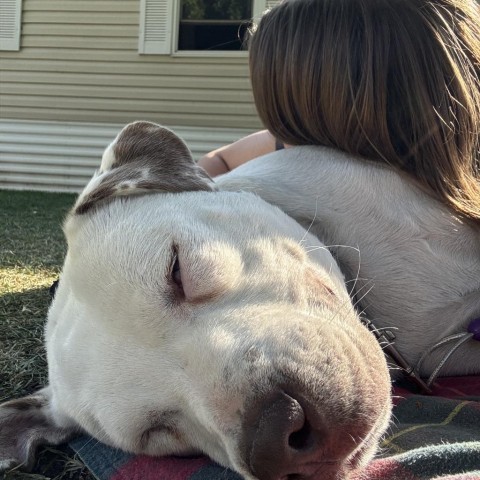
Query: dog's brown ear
x,y
25,424
144,157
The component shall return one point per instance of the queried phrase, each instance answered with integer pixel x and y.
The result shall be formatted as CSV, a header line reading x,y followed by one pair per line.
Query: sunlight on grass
x,y
23,279
32,248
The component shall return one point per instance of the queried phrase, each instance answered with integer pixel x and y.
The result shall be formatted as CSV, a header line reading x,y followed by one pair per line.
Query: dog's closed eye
x,y
176,275
198,277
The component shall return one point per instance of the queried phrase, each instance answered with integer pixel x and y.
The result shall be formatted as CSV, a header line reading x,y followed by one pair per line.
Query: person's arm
x,y
231,156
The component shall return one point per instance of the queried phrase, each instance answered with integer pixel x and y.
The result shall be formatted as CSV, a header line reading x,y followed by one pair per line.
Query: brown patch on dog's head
x,y
144,157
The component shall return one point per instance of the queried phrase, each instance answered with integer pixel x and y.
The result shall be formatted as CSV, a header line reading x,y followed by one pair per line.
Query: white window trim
x,y
11,15
162,39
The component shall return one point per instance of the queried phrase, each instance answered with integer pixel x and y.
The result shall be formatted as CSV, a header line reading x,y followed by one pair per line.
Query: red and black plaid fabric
x,y
431,437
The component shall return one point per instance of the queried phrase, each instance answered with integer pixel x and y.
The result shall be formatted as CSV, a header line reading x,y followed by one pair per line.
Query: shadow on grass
x,y
53,463
23,370
23,366
32,249
31,233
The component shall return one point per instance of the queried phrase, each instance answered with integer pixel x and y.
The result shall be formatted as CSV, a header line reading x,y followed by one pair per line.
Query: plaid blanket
x,y
432,437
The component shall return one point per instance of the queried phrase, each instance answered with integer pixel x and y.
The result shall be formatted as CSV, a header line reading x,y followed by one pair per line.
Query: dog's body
x,y
210,321
410,262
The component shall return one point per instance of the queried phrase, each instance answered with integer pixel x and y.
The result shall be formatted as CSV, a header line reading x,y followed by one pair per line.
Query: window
x,y
10,24
213,25
194,26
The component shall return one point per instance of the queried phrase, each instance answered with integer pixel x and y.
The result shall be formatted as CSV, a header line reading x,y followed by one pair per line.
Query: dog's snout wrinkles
x,y
286,440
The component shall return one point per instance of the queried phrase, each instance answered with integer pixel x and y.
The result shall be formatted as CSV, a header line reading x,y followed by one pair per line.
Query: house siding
x,y
79,62
62,156
78,78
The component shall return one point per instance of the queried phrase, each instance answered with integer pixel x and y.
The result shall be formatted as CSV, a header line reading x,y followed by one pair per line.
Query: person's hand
x,y
227,158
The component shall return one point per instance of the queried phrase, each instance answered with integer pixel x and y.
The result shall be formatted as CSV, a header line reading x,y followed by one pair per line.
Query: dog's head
x,y
191,320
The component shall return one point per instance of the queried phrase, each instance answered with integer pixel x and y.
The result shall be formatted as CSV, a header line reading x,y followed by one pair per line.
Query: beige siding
x,y
79,63
62,156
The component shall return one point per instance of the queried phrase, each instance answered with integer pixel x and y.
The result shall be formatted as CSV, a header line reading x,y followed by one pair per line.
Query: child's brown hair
x,y
390,80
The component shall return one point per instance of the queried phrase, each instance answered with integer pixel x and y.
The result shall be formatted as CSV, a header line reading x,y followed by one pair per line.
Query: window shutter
x,y
156,26
10,24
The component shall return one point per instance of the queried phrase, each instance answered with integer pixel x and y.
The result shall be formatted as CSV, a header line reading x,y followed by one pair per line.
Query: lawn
x,y
32,248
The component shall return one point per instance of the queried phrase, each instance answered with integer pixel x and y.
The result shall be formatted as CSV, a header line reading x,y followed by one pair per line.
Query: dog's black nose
x,y
286,440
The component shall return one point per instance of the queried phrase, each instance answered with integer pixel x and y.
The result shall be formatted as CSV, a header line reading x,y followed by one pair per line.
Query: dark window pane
x,y
216,9
214,24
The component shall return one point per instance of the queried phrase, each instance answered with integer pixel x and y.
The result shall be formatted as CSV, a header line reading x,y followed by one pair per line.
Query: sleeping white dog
x,y
194,319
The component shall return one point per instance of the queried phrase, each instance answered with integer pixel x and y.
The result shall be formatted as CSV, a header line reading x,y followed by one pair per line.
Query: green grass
x,y
32,248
